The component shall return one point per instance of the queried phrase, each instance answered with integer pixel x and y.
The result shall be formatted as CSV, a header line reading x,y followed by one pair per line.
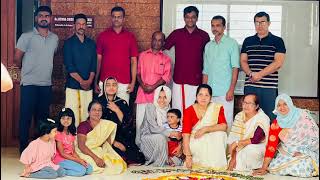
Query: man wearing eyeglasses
x,y
262,55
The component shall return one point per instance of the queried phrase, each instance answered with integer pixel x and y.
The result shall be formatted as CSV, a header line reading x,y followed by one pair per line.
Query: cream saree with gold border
x,y
209,151
98,141
251,156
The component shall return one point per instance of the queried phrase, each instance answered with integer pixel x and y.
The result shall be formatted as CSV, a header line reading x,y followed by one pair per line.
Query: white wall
x,y
300,32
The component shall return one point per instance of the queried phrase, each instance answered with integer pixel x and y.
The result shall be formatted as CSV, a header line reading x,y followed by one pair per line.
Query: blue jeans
x,y
75,169
267,98
48,173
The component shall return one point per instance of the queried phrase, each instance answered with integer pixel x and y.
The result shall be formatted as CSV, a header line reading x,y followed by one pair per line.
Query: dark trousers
x,y
267,98
34,102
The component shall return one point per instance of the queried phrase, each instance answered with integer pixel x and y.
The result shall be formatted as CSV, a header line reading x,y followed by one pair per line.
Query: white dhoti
x,y
228,108
78,101
183,96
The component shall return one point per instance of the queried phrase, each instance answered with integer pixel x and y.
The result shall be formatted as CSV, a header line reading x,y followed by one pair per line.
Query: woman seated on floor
x,y
95,138
293,144
248,136
117,111
204,132
153,134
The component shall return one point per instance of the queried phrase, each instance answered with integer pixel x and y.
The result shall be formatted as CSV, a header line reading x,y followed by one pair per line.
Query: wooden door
x,y
10,99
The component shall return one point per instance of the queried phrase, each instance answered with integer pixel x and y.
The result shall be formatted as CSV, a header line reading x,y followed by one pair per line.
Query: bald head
x,y
157,42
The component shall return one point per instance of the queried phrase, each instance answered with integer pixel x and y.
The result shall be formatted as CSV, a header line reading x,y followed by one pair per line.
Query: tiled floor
x,y
11,168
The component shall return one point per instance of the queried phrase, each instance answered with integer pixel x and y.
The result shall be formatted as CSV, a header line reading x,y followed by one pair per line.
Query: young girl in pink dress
x,y
37,157
66,155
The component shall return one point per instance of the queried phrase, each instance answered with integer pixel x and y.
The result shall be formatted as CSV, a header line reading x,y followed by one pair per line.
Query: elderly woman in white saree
x,y
152,133
248,136
204,132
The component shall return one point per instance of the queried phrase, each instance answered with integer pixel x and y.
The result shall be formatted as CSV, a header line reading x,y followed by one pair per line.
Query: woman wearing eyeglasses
x,y
248,136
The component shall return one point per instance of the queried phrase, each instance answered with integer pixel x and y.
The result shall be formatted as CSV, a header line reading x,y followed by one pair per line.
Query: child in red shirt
x,y
173,124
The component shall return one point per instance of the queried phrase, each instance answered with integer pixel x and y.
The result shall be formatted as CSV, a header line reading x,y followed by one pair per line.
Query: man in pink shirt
x,y
154,69
117,56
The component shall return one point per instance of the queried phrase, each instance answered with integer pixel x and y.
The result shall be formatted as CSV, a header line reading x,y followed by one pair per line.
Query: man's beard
x,y
43,26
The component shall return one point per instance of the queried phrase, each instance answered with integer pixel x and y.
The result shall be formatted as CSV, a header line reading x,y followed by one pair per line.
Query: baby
x,y
173,125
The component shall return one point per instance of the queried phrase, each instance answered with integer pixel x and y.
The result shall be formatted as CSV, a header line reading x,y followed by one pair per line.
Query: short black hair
x,y
67,112
261,14
117,9
189,9
218,17
80,16
177,112
46,125
43,8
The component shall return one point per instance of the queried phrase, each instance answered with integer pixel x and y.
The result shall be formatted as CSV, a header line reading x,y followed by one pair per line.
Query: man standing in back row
x,y
35,51
262,55
189,43
154,70
80,60
117,56
221,67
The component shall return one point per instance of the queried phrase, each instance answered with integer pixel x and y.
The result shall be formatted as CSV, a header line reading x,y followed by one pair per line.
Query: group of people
x,y
95,132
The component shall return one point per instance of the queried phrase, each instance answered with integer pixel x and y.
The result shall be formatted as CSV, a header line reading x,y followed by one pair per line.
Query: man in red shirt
x,y
117,56
189,43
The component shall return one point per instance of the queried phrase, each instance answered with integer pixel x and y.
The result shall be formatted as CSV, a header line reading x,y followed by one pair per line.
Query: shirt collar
x,y
77,38
35,31
221,40
268,36
150,51
111,30
196,30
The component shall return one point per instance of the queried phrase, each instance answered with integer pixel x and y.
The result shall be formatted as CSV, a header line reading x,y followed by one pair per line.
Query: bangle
x,y
189,155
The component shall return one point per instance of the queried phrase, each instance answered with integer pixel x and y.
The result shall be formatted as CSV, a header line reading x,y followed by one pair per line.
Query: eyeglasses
x,y
96,110
258,23
248,103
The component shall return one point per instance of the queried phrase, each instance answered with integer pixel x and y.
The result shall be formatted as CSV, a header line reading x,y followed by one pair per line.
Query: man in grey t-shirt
x,y
35,51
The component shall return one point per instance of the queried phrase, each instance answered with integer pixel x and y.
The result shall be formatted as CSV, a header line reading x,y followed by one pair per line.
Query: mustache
x,y
44,21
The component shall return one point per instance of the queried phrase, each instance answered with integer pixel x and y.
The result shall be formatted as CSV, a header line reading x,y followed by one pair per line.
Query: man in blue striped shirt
x,y
262,55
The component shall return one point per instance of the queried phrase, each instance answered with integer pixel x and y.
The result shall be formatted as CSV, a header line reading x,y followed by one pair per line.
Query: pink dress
x,y
67,141
39,154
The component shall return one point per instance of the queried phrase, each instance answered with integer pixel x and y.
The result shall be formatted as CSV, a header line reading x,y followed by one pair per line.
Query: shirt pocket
x,y
159,69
